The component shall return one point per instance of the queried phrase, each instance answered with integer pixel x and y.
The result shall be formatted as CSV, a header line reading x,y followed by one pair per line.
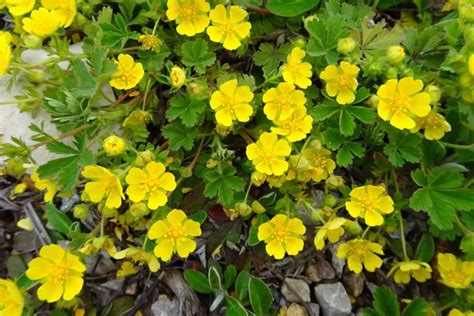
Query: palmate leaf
x,y
441,195
187,109
196,53
223,183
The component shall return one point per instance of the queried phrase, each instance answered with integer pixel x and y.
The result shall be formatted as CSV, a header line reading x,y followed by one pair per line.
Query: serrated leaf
x,y
269,57
346,153
324,34
186,108
289,8
403,147
346,123
385,302
416,307
363,114
179,136
323,112
196,54
223,184
332,138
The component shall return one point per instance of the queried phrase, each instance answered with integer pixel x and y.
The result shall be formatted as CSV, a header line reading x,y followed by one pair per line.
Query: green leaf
x,y
363,114
346,123
289,8
223,183
416,307
385,303
425,249
235,308
332,138
323,112
196,54
198,281
57,219
214,278
199,216
325,33
345,155
441,195
186,108
467,245
179,136
269,57
229,276
253,239
260,296
241,285
403,147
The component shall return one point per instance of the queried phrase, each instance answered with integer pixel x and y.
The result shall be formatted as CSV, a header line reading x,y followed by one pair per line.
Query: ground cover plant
x,y
241,157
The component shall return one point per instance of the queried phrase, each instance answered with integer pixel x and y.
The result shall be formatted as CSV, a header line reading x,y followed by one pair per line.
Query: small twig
x,y
143,298
123,97
196,157
40,230
259,10
64,135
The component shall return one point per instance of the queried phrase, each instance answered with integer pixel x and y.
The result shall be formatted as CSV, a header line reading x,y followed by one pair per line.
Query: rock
x,y
292,286
296,310
355,283
333,299
320,270
337,262
165,307
313,309
188,301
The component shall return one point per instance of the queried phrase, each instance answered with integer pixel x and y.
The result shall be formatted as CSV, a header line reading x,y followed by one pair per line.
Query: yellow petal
x,y
156,199
72,287
231,42
294,245
53,252
39,268
409,86
164,249
96,191
136,193
215,34
218,14
185,246
237,14
50,292
345,96
275,248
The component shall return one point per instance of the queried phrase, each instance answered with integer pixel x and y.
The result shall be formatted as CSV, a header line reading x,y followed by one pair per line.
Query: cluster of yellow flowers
x,y
229,25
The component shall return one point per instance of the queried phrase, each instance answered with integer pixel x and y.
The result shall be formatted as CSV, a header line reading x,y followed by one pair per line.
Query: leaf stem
x,y
402,236
457,146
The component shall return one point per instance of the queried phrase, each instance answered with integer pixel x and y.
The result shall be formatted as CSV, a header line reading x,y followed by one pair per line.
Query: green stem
x,y
402,236
463,228
365,232
309,207
102,225
457,146
248,191
17,101
146,94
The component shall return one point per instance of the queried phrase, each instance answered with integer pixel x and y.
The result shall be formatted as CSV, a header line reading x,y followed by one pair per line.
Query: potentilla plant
x,y
194,134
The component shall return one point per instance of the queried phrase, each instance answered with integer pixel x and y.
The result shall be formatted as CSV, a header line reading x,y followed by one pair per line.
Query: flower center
x,y
175,233
60,274
344,82
189,13
152,183
367,203
456,277
229,29
229,105
399,103
280,234
358,249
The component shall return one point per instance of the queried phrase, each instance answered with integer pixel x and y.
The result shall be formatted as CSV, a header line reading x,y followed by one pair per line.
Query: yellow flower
x,y
177,76
95,245
151,42
455,273
457,312
341,81
5,51
42,22
282,101
47,185
20,7
320,165
360,252
11,299
127,268
282,235
191,15
66,10
400,102
268,154
151,184
370,202
228,26
139,255
331,230
105,184
174,234
128,74
395,54
434,124
232,103
58,271
295,71
296,126
113,145
420,271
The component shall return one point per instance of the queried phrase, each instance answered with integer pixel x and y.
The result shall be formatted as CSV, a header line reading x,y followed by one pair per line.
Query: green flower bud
x,y
257,207
32,41
211,164
36,77
353,227
81,211
329,200
334,182
300,42
346,45
144,158
392,73
395,54
373,101
15,167
198,89
466,12
434,92
243,208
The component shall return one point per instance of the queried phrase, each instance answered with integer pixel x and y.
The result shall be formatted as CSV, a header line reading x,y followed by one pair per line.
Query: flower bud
x,y
392,73
136,118
466,12
346,45
31,41
223,130
144,158
317,214
300,42
114,145
257,207
198,89
329,200
36,77
258,178
353,227
395,54
177,77
138,210
81,211
334,182
150,42
15,167
211,164
243,208
373,101
434,92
